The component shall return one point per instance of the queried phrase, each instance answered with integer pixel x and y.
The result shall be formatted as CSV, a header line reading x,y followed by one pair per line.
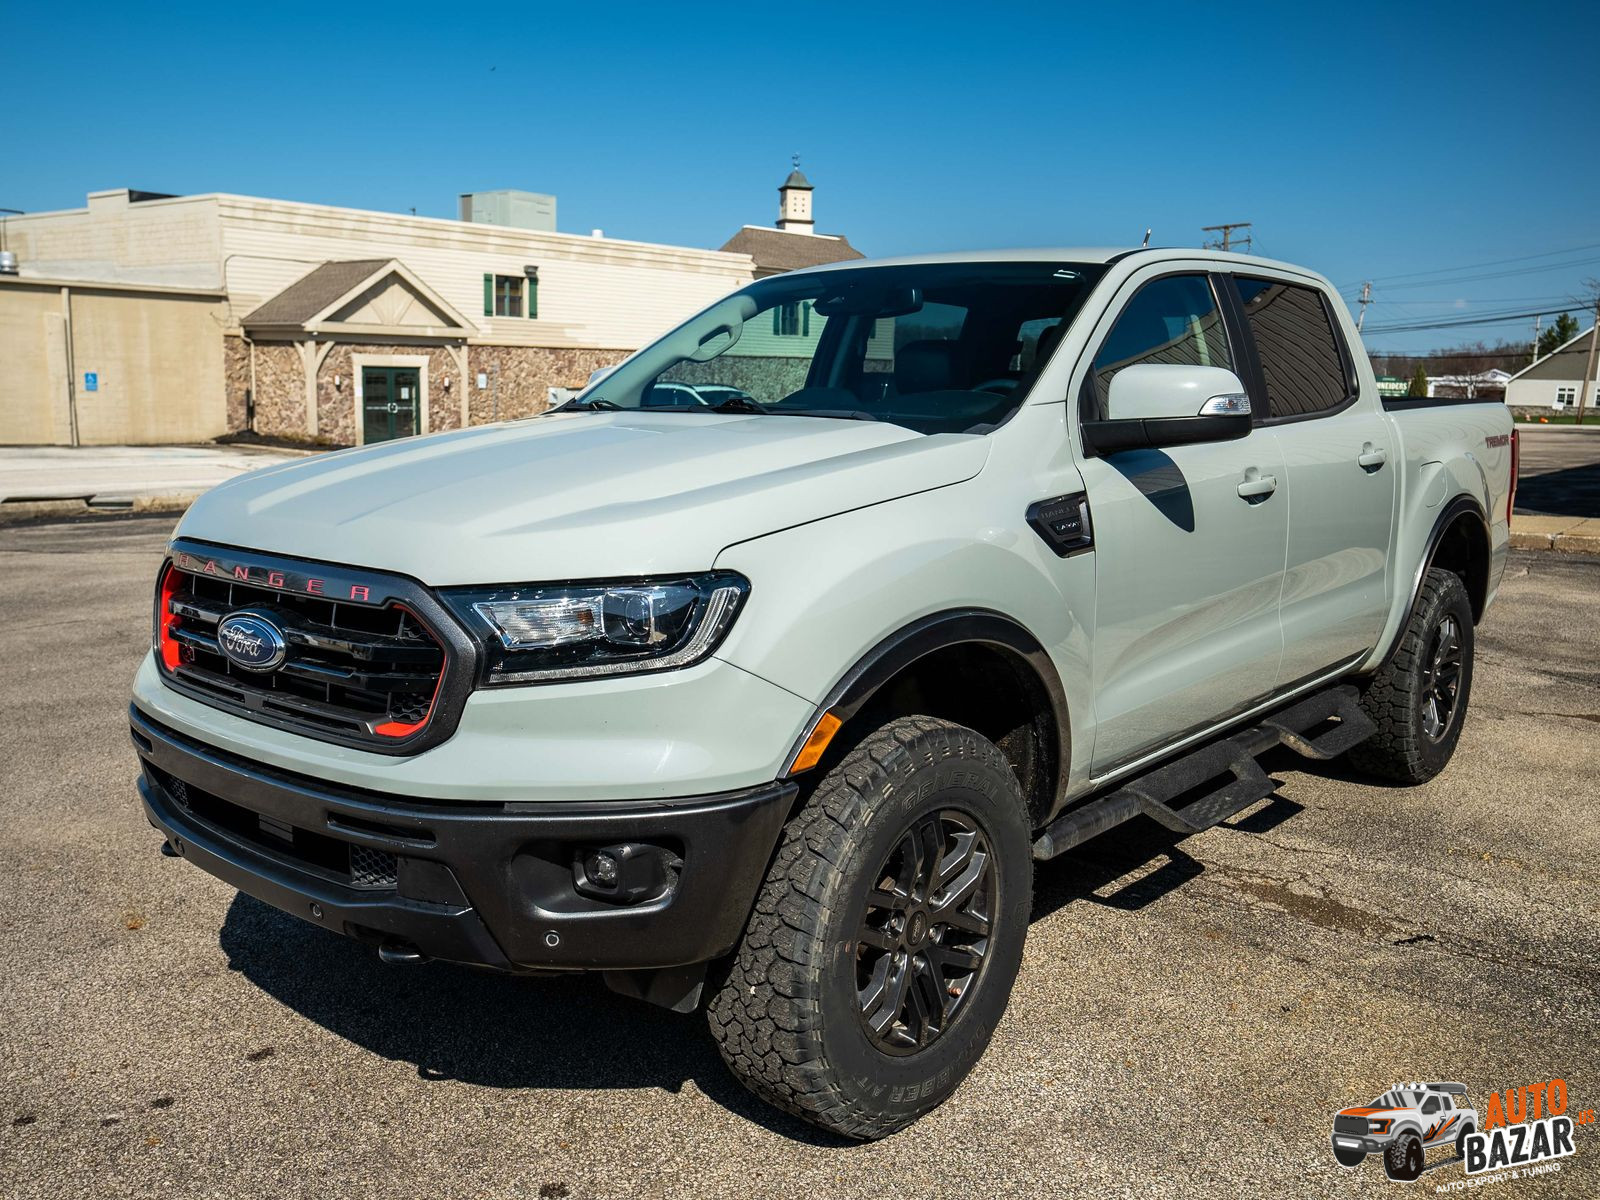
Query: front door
x,y
389,401
1189,545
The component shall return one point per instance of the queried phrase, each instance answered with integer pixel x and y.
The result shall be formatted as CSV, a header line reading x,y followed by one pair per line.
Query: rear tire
x,y
887,934
1418,699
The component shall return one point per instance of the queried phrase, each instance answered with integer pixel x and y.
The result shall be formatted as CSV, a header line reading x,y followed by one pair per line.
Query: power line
x,y
1451,282
1464,322
1494,262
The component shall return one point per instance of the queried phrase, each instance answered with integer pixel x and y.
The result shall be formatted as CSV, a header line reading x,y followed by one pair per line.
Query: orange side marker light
x,y
811,753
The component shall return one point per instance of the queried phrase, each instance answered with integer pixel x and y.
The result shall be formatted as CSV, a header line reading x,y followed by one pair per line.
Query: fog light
x,y
626,872
602,869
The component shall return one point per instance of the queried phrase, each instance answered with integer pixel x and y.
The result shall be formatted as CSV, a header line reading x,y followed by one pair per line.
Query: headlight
x,y
536,632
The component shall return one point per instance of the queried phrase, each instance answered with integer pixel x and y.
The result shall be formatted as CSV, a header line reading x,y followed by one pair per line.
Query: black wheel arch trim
x,y
942,631
1462,506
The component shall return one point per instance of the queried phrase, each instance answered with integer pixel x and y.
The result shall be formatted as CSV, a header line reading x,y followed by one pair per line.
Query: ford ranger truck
x,y
772,704
1402,1124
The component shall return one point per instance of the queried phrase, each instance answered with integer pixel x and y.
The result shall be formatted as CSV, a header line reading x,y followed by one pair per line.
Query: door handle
x,y
1371,457
1256,486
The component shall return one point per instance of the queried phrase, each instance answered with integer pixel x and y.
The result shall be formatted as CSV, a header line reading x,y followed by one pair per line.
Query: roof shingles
x,y
311,293
775,250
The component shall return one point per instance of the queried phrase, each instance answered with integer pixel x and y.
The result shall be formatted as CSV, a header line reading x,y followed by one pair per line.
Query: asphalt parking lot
x,y
1189,1015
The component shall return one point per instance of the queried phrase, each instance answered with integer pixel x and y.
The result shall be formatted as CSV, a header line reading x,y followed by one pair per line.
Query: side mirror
x,y
1161,404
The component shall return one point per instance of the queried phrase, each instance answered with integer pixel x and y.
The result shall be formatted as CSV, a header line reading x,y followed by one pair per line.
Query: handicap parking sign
x,y
91,381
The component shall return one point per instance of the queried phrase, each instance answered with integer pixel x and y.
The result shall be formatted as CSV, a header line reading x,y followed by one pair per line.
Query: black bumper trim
x,y
512,862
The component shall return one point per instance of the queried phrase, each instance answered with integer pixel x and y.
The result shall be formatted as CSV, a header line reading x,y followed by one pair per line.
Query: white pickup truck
x,y
779,699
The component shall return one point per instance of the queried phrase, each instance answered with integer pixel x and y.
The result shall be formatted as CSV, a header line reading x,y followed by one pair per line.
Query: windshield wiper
x,y
836,414
598,404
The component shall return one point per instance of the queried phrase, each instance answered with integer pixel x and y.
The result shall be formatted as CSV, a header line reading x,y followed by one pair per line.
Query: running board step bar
x,y
1153,793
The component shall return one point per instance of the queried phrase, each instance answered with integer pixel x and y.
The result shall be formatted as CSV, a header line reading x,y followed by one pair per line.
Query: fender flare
x,y
1462,506
941,631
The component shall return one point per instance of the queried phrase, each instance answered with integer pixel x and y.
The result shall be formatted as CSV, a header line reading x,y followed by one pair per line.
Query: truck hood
x,y
578,495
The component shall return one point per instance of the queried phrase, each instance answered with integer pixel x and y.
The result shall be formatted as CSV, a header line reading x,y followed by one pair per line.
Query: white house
x,y
1554,380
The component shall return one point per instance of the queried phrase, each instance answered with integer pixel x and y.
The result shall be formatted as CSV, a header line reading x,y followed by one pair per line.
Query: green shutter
x,y
533,297
777,318
805,318
488,295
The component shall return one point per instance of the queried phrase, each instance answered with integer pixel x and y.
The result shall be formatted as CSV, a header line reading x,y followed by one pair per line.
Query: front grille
x,y
340,861
1350,1125
354,672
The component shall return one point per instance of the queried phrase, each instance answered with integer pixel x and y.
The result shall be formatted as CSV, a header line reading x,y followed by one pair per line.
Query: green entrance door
x,y
389,400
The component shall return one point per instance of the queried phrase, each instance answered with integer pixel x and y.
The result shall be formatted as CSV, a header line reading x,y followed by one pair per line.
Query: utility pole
x,y
1588,372
1226,240
1366,299
1534,357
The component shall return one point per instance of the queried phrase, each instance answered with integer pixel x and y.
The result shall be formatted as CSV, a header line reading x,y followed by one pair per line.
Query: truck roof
x,y
1079,254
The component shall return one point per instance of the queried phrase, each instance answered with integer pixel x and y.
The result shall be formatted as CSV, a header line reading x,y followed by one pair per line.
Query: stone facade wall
x,y
280,392
336,406
768,380
236,381
525,376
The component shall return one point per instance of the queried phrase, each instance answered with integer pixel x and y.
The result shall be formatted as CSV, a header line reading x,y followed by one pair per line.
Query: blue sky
x,y
1366,141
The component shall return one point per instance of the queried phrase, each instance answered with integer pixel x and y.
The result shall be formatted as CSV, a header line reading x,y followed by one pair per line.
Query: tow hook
x,y
398,953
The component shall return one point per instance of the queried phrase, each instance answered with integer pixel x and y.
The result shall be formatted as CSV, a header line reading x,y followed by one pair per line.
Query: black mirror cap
x,y
1151,433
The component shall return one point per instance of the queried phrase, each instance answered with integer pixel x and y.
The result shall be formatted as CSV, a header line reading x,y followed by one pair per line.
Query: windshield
x,y
1399,1098
936,347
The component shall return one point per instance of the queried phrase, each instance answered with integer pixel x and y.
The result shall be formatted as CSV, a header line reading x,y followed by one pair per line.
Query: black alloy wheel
x,y
1441,679
925,931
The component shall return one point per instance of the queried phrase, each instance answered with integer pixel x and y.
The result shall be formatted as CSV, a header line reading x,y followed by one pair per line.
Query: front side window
x,y
1299,351
935,347
1174,320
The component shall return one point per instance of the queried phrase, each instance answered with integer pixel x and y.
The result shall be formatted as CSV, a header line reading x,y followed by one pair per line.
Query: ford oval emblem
x,y
251,641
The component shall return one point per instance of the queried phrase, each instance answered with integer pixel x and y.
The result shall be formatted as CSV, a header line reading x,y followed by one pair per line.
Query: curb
x,y
1564,535
12,511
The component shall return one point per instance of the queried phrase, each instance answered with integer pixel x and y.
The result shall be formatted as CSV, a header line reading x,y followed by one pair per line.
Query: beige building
x,y
147,318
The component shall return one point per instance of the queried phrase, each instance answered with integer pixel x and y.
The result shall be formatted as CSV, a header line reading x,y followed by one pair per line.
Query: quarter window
x,y
1173,320
1299,351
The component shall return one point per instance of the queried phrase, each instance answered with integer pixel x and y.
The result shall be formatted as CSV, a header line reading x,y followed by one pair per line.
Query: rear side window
x,y
1171,320
1299,351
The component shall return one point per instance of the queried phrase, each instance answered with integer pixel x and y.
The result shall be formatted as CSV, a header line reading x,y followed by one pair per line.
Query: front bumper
x,y
492,884
1355,1141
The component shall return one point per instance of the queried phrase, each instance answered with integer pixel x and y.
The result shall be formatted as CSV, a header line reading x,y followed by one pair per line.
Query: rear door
x,y
1341,461
1188,569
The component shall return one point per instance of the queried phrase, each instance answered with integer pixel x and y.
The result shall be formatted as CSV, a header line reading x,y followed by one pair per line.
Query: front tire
x,y
1418,699
1403,1160
886,937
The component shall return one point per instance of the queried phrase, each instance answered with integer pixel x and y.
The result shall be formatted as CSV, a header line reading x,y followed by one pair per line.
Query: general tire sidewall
x,y
915,1083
